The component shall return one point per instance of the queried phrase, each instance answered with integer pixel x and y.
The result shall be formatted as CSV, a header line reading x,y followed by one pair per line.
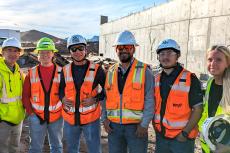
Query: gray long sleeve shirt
x,y
148,102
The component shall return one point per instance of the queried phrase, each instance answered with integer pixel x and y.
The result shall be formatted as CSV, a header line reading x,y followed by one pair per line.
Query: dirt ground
x,y
151,143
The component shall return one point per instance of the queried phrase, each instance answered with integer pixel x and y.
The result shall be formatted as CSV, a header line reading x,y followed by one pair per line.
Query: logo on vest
x,y
177,105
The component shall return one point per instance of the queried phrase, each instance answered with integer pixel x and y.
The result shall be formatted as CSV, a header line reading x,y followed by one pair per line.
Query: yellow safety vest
x,y
219,111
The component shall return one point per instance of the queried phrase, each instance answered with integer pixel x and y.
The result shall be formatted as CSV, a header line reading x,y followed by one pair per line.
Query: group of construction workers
x,y
65,102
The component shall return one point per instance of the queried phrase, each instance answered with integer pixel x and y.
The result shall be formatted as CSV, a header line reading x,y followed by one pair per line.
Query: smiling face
x,y
125,52
11,54
45,57
78,52
168,58
217,62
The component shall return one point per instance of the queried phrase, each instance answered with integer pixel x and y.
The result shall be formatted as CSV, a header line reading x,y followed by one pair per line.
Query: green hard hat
x,y
45,44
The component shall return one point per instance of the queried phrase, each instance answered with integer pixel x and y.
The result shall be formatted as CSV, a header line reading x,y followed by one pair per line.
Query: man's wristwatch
x,y
185,134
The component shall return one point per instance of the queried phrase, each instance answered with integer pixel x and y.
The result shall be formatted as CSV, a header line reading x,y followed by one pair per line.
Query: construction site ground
x,y
104,141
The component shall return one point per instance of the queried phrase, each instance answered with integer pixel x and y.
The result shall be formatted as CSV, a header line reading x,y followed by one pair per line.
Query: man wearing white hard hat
x,y
12,112
128,109
178,98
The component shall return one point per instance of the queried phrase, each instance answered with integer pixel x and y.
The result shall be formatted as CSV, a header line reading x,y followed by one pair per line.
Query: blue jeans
x,y
38,133
164,145
92,135
123,139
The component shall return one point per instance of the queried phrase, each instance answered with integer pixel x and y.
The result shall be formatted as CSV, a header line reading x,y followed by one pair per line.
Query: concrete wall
x,y
194,24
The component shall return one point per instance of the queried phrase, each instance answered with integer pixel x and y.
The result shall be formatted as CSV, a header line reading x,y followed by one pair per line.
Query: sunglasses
x,y
125,47
80,48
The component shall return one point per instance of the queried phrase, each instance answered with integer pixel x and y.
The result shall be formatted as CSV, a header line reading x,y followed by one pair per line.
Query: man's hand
x,y
181,138
220,148
106,123
141,131
67,103
88,102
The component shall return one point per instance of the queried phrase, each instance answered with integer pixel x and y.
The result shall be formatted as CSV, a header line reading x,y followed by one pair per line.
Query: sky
x,y
63,18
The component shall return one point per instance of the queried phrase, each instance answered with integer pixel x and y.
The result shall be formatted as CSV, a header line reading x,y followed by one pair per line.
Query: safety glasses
x,y
78,48
125,47
167,53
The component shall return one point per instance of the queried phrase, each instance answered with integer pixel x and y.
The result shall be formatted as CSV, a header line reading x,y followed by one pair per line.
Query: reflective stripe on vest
x,y
58,79
157,117
175,124
90,78
33,78
68,77
128,114
51,108
10,100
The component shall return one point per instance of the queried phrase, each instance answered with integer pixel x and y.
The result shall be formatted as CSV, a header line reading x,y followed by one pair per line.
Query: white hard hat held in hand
x,y
216,130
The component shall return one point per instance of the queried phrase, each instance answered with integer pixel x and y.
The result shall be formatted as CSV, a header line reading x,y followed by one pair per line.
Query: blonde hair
x,y
225,101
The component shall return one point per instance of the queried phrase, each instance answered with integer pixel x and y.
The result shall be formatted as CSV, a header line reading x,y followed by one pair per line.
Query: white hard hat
x,y
75,40
11,42
125,38
216,130
168,44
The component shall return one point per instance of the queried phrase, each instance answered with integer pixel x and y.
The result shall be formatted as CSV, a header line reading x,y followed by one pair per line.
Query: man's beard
x,y
125,57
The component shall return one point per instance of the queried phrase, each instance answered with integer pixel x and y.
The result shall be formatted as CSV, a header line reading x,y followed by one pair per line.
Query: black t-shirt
x,y
215,96
122,78
166,82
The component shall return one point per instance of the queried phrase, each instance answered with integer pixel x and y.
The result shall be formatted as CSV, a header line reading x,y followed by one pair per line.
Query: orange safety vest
x,y
37,98
128,107
177,111
87,114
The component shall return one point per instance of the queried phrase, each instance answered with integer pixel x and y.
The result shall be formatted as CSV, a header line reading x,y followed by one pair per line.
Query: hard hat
x,y
125,38
168,44
12,42
45,44
216,130
75,40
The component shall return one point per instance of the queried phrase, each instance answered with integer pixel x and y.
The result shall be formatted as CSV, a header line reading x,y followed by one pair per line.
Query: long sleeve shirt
x,y
148,97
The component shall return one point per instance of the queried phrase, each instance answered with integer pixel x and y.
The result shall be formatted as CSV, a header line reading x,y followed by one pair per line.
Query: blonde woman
x,y
217,95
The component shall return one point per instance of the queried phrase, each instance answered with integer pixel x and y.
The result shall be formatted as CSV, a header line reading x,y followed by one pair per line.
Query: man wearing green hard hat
x,y
41,99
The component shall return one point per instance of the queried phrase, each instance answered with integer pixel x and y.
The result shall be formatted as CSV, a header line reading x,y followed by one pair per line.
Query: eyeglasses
x,y
125,47
170,53
79,48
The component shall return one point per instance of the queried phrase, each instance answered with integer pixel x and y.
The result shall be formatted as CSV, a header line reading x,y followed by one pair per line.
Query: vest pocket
x,y
136,102
136,93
